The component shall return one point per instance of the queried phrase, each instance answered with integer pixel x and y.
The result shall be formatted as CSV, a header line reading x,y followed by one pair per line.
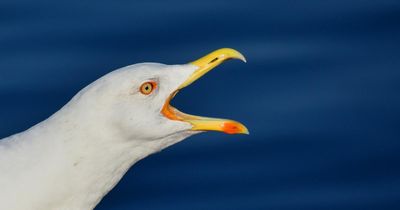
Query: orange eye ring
x,y
148,87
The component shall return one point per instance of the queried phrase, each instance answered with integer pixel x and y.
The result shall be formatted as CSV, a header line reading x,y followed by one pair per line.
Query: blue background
x,y
320,95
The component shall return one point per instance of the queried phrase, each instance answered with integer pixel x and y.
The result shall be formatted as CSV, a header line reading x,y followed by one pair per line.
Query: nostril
x,y
213,60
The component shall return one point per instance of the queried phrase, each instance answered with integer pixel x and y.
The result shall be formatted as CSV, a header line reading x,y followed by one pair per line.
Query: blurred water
x,y
320,94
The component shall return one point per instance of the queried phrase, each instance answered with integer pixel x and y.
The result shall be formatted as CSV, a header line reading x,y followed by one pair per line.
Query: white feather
x,y
71,160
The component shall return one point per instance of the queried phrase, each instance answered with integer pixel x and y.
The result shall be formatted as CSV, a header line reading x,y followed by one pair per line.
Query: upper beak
x,y
204,65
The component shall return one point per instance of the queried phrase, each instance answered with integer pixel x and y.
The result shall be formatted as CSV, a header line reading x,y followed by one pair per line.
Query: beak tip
x,y
232,53
233,127
242,58
245,131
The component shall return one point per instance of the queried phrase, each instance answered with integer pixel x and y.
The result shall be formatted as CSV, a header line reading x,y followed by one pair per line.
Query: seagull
x,y
71,160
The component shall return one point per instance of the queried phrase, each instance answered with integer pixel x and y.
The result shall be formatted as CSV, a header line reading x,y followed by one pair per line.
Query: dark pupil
x,y
147,87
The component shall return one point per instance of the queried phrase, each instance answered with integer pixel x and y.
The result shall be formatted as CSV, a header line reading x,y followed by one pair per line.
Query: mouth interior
x,y
173,113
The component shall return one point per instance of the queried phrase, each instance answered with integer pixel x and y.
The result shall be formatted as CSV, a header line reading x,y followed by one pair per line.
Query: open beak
x,y
205,64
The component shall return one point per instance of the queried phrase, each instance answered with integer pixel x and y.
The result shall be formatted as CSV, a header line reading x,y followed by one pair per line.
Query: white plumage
x,y
75,157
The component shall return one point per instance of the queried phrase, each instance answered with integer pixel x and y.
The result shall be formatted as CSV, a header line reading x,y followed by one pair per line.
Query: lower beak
x,y
204,65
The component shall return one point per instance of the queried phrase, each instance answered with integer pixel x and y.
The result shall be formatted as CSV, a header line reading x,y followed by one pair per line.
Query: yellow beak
x,y
205,64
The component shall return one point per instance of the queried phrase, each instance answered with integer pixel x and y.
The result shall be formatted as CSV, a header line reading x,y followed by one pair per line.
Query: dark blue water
x,y
320,95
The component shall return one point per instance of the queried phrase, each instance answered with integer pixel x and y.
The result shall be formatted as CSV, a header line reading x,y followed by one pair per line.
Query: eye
x,y
148,87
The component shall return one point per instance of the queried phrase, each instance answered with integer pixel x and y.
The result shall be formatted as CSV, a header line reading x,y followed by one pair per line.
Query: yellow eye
x,y
148,87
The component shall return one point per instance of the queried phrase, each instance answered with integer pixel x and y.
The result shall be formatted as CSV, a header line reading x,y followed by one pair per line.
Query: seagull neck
x,y
82,162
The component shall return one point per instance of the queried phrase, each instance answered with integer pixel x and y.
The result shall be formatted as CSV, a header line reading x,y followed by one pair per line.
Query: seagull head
x,y
135,100
79,154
